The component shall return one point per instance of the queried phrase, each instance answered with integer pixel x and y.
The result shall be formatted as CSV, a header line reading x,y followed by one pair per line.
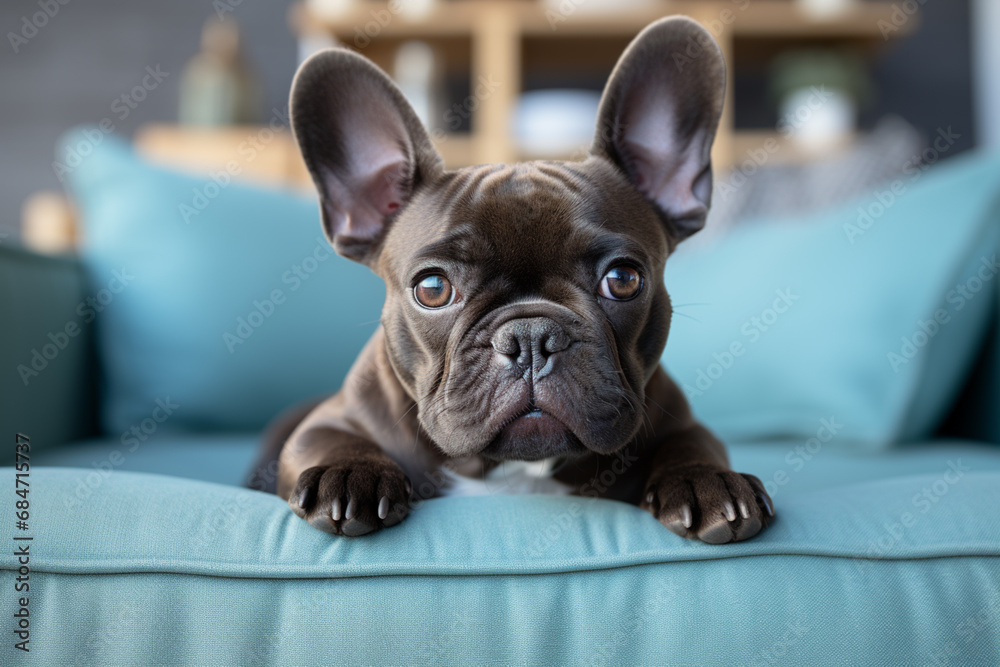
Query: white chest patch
x,y
508,478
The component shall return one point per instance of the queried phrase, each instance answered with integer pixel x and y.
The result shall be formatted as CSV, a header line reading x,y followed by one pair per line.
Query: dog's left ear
x,y
658,118
363,145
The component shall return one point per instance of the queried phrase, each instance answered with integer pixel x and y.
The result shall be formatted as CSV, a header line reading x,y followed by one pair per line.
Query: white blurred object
x,y
825,9
313,42
555,123
330,9
415,72
415,10
569,7
817,127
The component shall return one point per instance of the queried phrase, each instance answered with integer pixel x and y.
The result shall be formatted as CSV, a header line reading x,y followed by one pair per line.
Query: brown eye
x,y
621,283
434,291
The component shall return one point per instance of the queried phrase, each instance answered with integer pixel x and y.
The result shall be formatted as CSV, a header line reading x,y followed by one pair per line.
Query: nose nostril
x,y
506,345
530,342
555,342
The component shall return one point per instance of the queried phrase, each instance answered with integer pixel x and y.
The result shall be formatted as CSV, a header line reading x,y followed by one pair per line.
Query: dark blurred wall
x,y
925,78
93,51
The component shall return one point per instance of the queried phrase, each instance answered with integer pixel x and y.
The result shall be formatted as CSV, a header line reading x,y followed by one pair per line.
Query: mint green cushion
x,y
46,350
154,570
222,458
174,331
782,324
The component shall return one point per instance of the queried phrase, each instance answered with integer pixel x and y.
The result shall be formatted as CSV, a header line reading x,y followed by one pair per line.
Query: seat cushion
x,y
903,568
224,458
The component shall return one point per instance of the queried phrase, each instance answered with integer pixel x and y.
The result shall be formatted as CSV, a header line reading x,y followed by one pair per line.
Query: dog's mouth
x,y
531,435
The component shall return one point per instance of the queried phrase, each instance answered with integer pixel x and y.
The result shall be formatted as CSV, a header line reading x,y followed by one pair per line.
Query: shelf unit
x,y
489,38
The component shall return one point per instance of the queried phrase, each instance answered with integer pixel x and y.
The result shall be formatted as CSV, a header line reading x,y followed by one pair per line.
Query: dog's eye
x,y
434,291
621,283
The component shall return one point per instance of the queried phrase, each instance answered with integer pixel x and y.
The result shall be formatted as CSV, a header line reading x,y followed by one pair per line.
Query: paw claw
x,y
351,497
305,497
766,502
686,517
708,502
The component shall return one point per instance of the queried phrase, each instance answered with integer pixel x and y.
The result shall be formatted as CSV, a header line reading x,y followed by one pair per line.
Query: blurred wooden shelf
x,y
494,40
490,37
261,155
769,18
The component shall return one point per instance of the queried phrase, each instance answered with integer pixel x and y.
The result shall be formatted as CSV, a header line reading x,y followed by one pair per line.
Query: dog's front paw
x,y
353,497
708,503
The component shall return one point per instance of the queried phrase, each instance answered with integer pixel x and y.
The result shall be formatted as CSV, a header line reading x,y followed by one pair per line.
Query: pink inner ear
x,y
363,204
663,168
385,188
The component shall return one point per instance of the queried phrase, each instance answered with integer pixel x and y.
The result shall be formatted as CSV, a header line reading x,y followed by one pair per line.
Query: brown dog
x,y
525,308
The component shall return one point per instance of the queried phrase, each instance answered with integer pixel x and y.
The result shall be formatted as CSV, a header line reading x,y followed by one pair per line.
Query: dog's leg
x,y
341,483
691,489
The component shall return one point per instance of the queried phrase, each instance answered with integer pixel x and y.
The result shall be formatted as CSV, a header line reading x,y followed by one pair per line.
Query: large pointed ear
x,y
658,117
363,144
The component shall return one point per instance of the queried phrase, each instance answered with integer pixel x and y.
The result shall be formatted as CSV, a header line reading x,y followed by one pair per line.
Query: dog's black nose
x,y
530,343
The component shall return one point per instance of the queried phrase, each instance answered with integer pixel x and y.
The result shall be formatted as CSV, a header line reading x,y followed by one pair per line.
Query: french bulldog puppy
x,y
525,307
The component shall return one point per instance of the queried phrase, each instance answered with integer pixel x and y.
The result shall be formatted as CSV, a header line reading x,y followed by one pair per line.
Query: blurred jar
x,y
819,93
217,86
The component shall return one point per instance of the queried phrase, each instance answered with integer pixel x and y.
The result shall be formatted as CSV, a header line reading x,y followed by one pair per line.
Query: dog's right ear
x,y
363,144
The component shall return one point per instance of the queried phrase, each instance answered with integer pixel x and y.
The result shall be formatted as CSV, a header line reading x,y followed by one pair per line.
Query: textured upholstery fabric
x,y
153,570
881,555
